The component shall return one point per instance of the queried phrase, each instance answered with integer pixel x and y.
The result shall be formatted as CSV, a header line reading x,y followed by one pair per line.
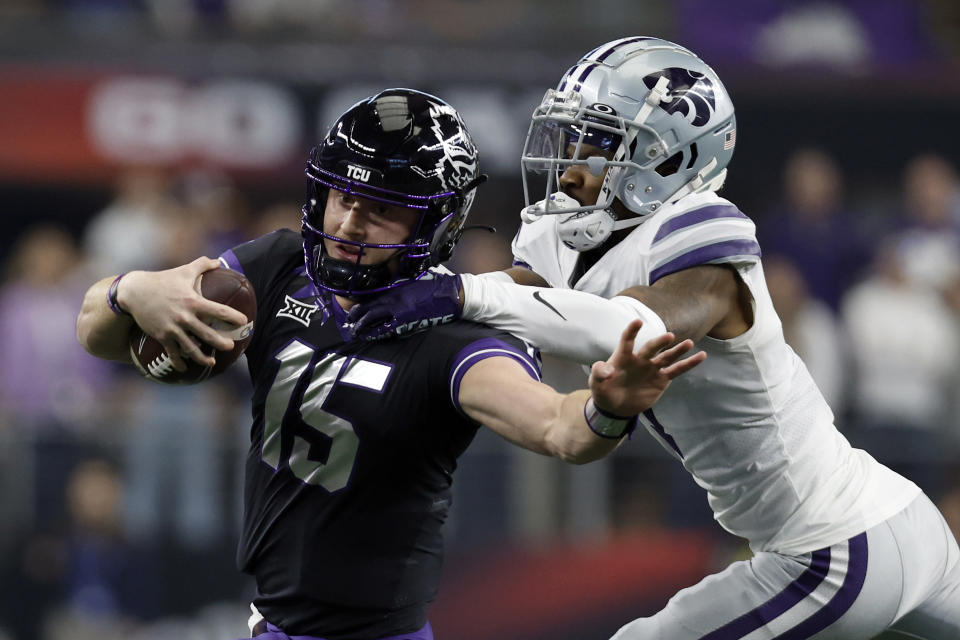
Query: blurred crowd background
x,y
138,134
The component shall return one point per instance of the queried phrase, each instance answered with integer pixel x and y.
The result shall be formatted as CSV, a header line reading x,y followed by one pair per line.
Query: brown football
x,y
220,285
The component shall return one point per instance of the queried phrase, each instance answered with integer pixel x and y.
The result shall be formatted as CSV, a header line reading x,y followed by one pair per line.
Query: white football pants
x,y
900,579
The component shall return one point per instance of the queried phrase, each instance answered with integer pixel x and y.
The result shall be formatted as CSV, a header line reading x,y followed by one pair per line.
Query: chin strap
x,y
558,201
629,222
473,184
698,184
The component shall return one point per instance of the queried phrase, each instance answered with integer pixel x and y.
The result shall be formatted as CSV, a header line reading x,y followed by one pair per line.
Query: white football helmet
x,y
662,118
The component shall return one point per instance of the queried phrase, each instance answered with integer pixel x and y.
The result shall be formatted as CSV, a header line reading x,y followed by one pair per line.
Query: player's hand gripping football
x,y
168,306
631,382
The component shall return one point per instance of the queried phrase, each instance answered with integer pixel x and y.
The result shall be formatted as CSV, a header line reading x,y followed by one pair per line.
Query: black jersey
x,y
353,446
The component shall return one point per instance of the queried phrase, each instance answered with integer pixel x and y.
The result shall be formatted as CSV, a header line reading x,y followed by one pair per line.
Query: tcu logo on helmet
x,y
358,173
688,92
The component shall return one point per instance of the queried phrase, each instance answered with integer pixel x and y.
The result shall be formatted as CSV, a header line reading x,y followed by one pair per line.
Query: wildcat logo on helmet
x,y
688,92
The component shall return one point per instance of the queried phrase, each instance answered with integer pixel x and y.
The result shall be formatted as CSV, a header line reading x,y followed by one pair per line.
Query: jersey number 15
x,y
332,369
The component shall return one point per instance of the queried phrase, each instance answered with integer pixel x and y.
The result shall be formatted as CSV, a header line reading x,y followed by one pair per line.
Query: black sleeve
x,y
460,345
263,259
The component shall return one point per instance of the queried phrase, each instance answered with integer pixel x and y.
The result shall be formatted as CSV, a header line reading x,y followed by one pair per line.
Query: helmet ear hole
x,y
693,155
671,165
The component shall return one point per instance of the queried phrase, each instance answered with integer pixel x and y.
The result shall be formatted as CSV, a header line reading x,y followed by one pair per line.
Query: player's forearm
x,y
571,324
570,437
100,331
500,395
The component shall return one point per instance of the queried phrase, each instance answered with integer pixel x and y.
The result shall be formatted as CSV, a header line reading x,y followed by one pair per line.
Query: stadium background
x,y
140,133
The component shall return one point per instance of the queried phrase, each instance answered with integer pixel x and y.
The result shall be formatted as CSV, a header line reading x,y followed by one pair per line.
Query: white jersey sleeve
x,y
712,232
555,319
700,229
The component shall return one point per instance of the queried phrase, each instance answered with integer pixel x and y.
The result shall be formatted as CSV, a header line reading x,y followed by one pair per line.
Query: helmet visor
x,y
558,139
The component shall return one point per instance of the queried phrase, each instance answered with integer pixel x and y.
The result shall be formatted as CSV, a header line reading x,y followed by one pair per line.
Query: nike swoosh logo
x,y
539,298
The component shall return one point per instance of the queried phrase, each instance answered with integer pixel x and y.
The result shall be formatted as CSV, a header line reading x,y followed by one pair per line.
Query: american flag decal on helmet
x,y
729,139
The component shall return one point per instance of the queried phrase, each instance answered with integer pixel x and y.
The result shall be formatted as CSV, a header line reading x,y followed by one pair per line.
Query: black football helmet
x,y
400,147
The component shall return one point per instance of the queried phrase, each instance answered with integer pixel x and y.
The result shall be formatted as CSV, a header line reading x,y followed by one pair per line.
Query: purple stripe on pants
x,y
786,599
842,600
800,589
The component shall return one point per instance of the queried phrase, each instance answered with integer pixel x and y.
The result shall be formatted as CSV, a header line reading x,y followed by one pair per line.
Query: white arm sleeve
x,y
563,322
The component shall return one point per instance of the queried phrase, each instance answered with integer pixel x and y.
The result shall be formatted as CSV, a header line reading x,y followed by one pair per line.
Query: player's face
x,y
578,182
352,217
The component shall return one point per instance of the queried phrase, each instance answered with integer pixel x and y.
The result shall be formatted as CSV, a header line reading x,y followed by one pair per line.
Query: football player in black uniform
x,y
354,443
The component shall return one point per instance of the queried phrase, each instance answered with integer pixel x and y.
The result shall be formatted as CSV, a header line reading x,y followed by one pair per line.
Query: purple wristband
x,y
606,424
112,297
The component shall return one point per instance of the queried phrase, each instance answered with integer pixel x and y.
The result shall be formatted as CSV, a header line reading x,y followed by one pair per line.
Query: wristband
x,y
112,297
605,424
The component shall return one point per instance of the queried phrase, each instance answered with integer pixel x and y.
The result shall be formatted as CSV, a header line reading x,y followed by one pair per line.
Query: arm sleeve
x,y
571,324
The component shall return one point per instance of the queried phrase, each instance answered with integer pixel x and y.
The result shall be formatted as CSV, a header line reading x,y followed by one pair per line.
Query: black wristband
x,y
605,424
112,297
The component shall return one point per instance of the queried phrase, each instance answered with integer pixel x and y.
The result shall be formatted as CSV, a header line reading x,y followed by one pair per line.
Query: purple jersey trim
x,y
274,633
481,350
229,259
520,263
308,290
800,589
662,432
726,251
697,216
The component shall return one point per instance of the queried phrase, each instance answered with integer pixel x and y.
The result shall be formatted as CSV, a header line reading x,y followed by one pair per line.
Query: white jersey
x,y
749,423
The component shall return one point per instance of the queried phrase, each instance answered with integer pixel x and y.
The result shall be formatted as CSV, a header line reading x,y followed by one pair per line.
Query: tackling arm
x,y
572,324
702,300
583,327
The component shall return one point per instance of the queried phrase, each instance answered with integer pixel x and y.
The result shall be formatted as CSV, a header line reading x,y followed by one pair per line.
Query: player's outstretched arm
x,y
584,425
573,324
166,305
691,303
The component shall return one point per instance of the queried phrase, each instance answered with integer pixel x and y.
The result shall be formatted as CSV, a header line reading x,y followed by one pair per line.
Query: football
x,y
220,285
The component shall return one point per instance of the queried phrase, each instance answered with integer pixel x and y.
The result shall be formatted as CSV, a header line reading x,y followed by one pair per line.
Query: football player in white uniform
x,y
630,149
